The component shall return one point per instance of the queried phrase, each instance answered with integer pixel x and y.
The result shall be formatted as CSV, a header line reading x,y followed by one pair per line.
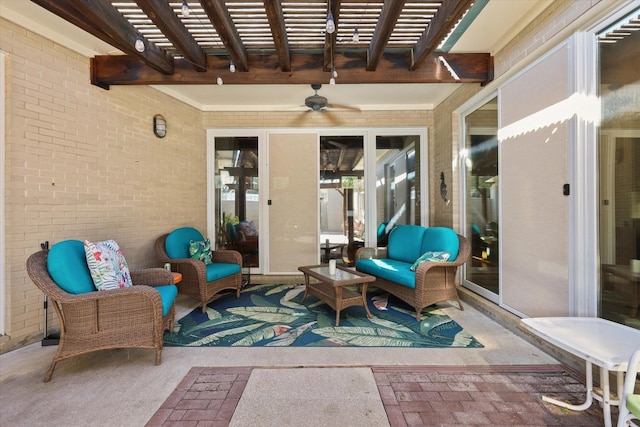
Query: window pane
x,y
237,194
619,161
341,197
397,183
482,198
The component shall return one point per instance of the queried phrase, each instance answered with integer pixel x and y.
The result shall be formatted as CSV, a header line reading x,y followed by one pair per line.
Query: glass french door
x,y
237,197
342,192
397,185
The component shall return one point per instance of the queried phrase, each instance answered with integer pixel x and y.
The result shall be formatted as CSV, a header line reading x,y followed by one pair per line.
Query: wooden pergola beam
x,y
391,10
221,19
278,30
305,69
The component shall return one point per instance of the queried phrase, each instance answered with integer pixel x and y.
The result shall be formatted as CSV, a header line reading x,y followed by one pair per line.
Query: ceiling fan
x,y
319,103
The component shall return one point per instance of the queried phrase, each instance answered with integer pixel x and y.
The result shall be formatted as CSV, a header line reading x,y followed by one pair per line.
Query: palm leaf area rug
x,y
268,315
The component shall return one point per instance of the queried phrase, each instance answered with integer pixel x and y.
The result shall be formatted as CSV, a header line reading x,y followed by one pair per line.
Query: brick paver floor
x,y
412,396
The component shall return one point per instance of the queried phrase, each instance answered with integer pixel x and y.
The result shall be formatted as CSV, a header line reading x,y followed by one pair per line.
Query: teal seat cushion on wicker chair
x,y
177,243
67,266
389,269
168,294
219,270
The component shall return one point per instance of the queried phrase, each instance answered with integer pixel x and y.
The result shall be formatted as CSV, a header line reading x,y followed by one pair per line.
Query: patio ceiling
x,y
265,87
277,42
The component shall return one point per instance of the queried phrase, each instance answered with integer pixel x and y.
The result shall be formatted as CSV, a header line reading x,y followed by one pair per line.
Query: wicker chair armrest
x,y
187,266
371,253
152,277
132,292
227,256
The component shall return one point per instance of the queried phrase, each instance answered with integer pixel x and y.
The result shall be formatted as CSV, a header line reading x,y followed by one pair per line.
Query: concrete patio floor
x,y
125,388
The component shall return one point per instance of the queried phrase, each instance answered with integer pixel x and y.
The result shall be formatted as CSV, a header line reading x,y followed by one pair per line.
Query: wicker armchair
x,y
435,281
122,318
200,281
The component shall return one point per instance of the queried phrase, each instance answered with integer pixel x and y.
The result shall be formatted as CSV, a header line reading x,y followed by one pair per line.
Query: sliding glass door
x,y
480,166
619,163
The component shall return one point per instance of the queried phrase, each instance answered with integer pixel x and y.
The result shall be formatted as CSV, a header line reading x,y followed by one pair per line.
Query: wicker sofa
x,y
432,281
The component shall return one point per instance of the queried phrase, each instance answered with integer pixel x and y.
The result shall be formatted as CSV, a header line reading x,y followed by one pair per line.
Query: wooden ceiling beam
x,y
305,69
221,19
168,22
447,16
100,18
279,32
391,10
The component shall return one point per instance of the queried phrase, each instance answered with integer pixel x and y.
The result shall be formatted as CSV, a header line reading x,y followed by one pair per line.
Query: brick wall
x,y
83,163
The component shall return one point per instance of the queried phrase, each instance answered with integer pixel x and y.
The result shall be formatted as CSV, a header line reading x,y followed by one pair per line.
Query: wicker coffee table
x,y
330,288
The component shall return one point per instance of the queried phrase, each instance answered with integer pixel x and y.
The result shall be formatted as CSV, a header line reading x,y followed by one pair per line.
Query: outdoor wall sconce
x,y
443,190
159,126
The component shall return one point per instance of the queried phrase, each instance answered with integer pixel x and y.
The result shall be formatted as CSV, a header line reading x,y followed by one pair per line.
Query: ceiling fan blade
x,y
342,107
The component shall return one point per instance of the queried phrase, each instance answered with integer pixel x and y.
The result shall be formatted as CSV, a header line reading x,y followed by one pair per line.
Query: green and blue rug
x,y
268,315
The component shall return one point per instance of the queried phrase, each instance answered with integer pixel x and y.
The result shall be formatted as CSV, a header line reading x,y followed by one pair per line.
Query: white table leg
x,y
589,399
606,396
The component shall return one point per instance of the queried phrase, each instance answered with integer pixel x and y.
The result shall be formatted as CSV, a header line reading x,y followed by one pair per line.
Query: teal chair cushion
x,y
389,269
67,266
440,239
168,295
219,270
405,243
177,243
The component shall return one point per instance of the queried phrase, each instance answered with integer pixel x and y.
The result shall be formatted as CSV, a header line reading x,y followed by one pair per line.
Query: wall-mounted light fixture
x,y
443,189
159,126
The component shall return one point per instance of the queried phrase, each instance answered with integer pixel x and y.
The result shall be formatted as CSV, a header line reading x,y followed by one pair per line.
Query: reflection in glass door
x,y
619,170
482,198
237,197
397,183
342,208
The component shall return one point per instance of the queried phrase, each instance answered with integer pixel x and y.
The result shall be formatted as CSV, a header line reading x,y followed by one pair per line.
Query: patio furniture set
x,y
419,265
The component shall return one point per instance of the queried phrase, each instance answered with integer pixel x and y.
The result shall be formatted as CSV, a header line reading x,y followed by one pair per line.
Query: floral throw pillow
x,y
430,256
107,265
201,250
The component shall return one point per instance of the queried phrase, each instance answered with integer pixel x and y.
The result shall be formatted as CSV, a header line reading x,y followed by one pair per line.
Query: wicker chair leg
x,y
49,373
418,313
158,356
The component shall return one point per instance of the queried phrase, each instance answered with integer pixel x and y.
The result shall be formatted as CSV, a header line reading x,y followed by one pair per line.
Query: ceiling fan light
x,y
331,25
139,44
185,8
219,80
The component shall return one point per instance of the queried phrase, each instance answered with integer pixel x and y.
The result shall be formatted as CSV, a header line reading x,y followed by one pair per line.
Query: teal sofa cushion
x,y
405,243
168,294
177,243
389,269
440,239
218,270
67,266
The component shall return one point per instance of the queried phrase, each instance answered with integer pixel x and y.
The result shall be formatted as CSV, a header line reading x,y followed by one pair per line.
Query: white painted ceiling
x,y
498,23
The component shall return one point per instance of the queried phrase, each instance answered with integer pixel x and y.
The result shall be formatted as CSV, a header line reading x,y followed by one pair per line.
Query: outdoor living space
x,y
264,139
500,384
